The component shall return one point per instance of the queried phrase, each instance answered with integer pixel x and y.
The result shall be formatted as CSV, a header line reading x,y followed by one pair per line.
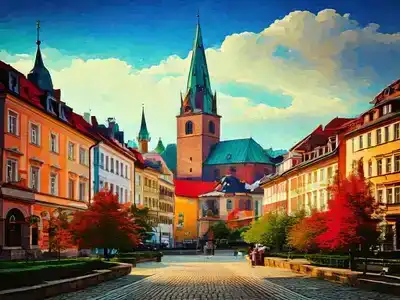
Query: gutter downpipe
x,y
90,169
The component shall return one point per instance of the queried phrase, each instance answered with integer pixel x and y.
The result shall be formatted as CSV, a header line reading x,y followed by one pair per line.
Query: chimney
x,y
57,94
86,116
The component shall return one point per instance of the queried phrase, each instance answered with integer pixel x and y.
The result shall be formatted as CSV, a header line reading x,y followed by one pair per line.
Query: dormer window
x,y
62,113
51,102
228,156
13,82
387,109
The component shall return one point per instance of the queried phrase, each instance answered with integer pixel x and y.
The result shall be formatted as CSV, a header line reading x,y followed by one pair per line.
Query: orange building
x,y
45,158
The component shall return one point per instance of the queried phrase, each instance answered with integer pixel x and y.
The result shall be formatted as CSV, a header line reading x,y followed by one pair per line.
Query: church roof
x,y
39,75
143,133
237,152
199,96
160,147
169,156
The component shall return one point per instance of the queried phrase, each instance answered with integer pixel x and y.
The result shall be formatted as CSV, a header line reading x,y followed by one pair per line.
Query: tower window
x,y
190,158
190,170
211,127
189,127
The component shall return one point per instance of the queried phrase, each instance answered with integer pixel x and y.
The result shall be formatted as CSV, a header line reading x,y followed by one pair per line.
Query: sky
x,y
280,68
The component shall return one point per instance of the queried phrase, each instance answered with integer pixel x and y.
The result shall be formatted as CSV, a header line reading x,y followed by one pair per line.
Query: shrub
x,y
334,261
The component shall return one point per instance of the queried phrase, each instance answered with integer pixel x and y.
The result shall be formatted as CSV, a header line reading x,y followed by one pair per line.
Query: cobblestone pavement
x,y
217,278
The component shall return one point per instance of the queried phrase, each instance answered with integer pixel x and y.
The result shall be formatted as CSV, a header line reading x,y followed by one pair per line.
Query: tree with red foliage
x,y
349,220
59,231
302,236
105,224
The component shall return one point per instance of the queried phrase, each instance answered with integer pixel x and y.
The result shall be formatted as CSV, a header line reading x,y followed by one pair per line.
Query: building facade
x,y
113,164
45,158
375,141
302,178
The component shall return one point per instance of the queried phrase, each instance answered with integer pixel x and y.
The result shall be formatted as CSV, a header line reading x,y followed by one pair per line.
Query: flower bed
x,y
19,274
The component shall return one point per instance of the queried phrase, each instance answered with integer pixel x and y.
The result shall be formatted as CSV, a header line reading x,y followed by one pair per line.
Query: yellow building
x,y
376,141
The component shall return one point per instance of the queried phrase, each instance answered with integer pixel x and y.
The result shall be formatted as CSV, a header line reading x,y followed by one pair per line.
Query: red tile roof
x,y
193,188
139,158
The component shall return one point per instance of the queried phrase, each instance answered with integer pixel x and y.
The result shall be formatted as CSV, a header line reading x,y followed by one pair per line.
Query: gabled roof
x,y
237,152
192,188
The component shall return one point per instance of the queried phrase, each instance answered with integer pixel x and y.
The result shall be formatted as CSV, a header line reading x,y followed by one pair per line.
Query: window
x,y
361,142
106,163
82,188
122,170
112,165
82,156
330,173
189,127
211,127
35,137
387,134
71,151
309,178
379,166
12,122
53,184
126,196
380,196
71,189
117,190
102,160
34,182
397,131
322,174
389,196
248,205
228,204
190,170
387,109
397,163
397,194
388,165
315,176
53,143
369,139
352,145
370,168
379,136
12,170
111,188
314,204
126,171
116,167
322,198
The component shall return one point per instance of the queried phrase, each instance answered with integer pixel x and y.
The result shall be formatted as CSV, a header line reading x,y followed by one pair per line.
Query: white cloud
x,y
322,72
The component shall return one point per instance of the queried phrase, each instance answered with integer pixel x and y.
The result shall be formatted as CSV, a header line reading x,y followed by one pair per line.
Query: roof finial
x,y
37,32
198,16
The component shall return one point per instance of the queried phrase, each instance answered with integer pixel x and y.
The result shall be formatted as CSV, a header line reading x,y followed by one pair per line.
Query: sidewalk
x,y
370,281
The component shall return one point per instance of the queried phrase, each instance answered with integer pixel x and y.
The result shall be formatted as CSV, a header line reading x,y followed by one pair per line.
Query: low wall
x,y
53,288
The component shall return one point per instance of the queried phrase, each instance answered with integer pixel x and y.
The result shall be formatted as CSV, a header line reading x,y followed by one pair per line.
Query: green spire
x,y
198,84
143,133
39,75
160,147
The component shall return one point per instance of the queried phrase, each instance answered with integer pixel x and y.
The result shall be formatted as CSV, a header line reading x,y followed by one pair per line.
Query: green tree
x,y
141,218
272,229
220,230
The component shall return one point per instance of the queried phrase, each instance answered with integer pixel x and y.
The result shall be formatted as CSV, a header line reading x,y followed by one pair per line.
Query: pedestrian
x,y
235,253
254,257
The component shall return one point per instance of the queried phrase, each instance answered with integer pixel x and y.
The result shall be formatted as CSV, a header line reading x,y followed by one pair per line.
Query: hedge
x,y
334,261
291,255
39,272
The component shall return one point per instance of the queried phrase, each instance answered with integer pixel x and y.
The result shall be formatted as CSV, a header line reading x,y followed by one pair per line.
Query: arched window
x,y
228,204
189,127
211,127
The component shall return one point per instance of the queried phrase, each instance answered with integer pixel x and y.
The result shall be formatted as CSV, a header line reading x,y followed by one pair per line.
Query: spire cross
x,y
37,32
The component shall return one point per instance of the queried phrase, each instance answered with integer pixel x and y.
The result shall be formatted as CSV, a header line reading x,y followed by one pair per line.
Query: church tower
x,y
143,136
198,124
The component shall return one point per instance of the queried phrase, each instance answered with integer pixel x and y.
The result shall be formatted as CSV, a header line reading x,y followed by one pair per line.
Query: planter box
x,y
54,288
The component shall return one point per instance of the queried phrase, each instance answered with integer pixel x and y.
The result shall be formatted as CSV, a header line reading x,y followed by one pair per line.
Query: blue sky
x,y
133,38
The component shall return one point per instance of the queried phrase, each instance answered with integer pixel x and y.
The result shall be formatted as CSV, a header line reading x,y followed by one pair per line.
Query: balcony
x,y
165,197
392,209
150,189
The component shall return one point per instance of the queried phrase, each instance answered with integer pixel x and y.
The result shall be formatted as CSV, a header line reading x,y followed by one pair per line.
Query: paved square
x,y
198,277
